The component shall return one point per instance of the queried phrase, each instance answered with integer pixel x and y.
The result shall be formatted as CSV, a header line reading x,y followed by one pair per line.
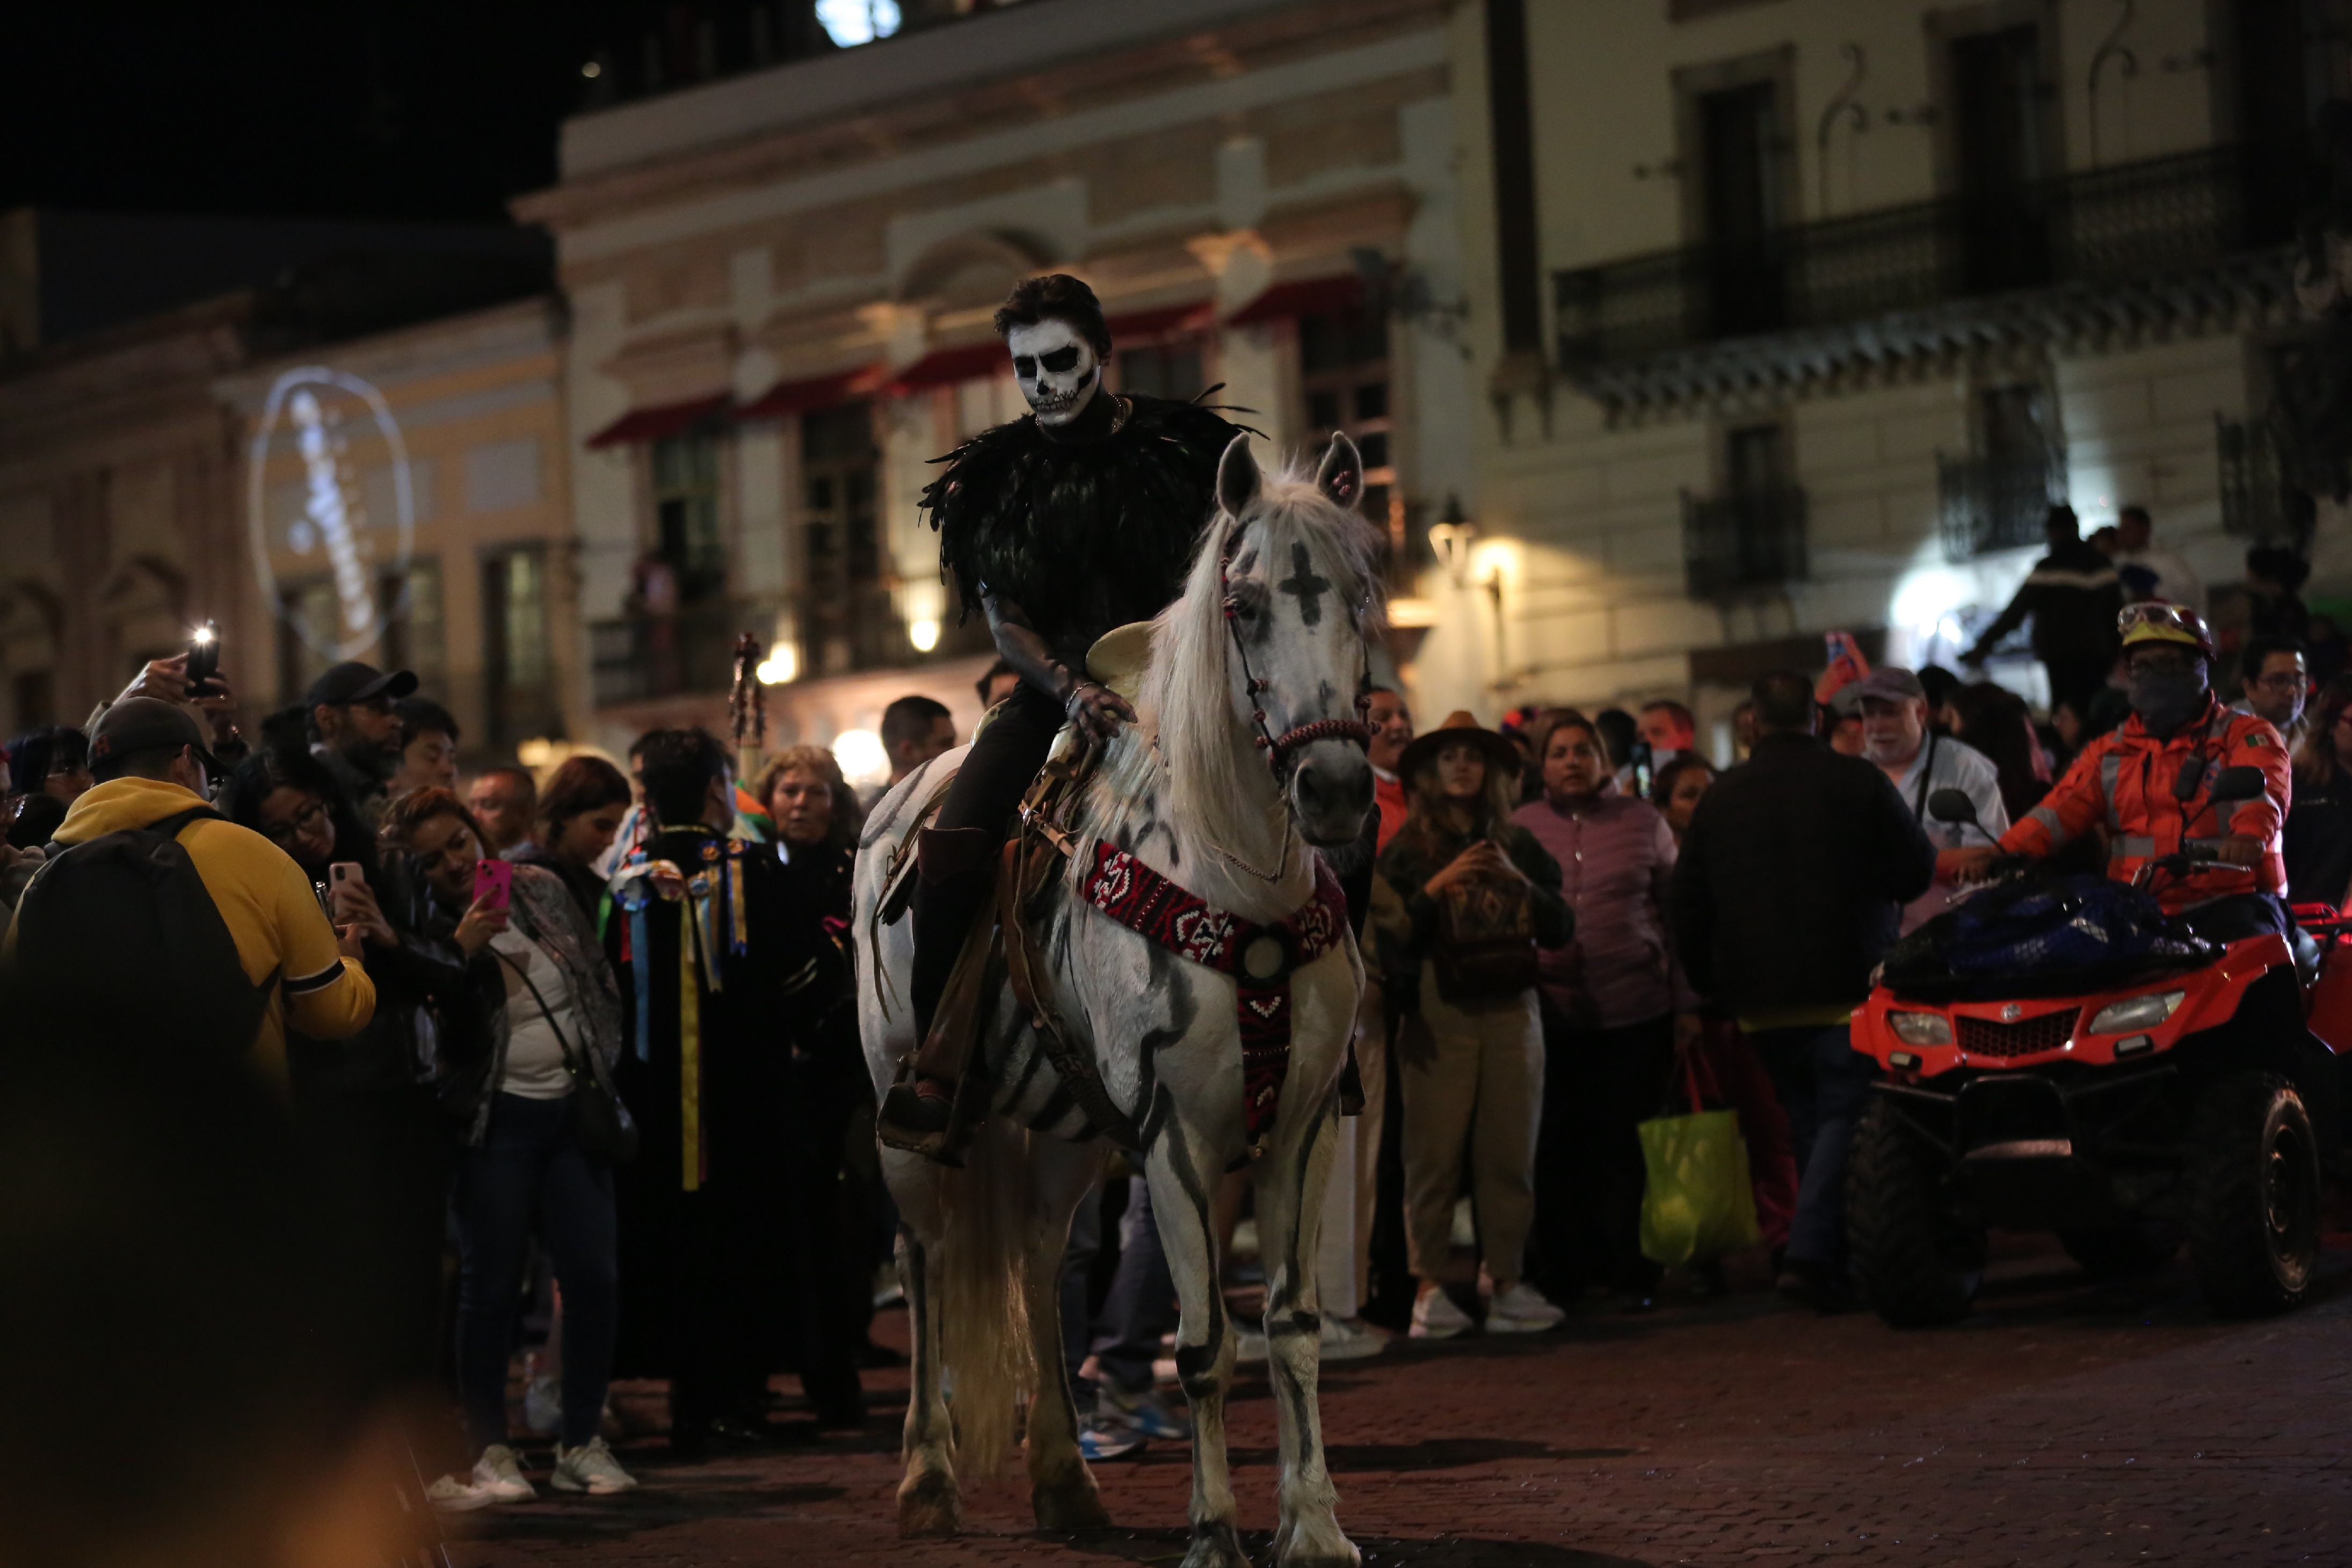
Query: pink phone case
x,y
493,883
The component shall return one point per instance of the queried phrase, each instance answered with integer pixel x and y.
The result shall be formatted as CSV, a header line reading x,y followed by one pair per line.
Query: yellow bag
x,y
1699,1205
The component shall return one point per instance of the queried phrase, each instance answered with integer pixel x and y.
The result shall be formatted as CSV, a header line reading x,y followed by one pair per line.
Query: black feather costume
x,y
1083,536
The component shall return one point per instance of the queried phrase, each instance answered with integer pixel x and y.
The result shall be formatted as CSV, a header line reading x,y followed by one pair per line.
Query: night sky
x,y
385,109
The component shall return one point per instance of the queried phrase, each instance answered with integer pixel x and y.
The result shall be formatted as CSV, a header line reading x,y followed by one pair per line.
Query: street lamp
x,y
1451,536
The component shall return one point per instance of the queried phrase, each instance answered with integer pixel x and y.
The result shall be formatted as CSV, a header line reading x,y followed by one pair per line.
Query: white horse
x,y
1248,751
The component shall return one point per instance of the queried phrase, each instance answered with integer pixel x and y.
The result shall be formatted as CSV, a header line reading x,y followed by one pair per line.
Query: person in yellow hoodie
x,y
149,759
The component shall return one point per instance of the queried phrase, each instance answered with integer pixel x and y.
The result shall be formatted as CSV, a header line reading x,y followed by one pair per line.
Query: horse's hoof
x,y
929,1504
1218,1547
1295,1546
1070,1508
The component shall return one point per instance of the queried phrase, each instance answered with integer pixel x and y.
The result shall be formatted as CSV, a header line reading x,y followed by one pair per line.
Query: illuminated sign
x,y
322,411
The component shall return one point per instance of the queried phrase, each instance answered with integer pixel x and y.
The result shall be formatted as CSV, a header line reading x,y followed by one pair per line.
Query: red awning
x,y
1308,296
1167,319
945,367
806,395
641,424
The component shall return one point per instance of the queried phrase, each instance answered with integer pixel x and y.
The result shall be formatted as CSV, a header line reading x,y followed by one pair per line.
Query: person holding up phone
x,y
535,1039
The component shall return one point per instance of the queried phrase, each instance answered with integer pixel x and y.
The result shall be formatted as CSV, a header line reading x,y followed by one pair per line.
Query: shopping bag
x,y
1699,1205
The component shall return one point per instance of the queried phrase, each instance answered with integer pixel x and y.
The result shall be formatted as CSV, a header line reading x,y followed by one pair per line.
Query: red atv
x,y
2125,1110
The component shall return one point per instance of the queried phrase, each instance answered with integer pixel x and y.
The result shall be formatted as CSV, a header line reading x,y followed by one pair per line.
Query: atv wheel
x,y
2124,1251
2253,1207
1914,1261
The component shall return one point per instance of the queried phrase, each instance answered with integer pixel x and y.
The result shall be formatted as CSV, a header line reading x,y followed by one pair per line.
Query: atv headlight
x,y
2136,1012
1921,1028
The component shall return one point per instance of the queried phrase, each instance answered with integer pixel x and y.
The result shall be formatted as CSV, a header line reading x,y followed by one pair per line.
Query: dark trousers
x,y
1822,1082
1599,1086
833,1278
996,772
383,1157
532,1171
1141,1305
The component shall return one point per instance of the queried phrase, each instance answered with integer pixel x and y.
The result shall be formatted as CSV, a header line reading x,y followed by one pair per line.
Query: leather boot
x,y
956,875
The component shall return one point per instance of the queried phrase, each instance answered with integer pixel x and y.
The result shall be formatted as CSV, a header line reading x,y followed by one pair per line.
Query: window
x,y
1739,207
1752,535
518,668
1171,369
313,608
413,628
847,620
1343,378
1997,136
686,514
37,698
1999,496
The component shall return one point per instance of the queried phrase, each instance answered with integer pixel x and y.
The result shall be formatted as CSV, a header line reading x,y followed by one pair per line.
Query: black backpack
x,y
121,935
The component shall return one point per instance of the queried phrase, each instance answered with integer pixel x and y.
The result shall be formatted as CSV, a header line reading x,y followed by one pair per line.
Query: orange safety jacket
x,y
2125,780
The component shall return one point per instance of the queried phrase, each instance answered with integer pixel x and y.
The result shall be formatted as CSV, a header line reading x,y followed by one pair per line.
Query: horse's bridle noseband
x,y
1279,748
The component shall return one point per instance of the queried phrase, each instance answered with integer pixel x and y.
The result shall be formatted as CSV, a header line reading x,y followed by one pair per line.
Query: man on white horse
x,y
1080,516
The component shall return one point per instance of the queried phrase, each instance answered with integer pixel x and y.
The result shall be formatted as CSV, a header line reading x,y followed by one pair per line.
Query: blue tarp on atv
x,y
2063,928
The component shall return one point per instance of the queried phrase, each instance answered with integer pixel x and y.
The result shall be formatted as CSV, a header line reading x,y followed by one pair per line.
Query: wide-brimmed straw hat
x,y
1460,726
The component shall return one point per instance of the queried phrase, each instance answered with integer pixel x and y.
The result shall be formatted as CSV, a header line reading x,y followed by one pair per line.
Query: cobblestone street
x,y
2064,1423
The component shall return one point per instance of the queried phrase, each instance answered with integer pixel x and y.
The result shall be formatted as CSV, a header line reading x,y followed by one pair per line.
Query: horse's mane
x,y
1215,775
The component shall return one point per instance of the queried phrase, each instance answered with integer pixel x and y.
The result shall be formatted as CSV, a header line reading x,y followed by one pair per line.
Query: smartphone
x,y
493,883
204,659
342,871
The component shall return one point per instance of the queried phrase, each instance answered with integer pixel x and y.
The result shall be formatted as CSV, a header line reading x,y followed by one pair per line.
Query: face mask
x,y
1057,368
2165,700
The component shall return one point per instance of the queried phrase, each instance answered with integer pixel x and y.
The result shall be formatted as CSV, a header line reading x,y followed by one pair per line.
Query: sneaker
x,y
1436,1317
1145,1413
451,1495
591,1468
1521,1310
542,1406
500,1474
1099,1440
1344,1341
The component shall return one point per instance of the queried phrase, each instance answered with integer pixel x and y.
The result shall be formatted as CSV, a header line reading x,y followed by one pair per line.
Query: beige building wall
x,y
1580,596
117,513
859,212
478,403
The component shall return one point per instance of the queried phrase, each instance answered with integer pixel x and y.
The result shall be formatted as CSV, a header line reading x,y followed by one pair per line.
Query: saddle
x,y
1001,941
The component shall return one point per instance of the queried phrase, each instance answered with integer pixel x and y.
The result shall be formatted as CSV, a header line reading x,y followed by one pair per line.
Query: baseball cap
x,y
1889,683
146,723
351,681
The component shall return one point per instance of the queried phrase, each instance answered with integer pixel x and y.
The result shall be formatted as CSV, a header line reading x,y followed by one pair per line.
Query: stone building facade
x,y
1794,316
780,286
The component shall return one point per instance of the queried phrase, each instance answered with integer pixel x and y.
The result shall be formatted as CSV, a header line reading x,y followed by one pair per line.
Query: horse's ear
x,y
1237,477
1341,476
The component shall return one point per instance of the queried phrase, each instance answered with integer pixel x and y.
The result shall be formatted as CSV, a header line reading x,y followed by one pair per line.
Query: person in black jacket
x,y
2074,596
1786,896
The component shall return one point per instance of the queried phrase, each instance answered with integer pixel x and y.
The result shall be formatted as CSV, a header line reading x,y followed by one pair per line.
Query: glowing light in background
x,y
318,405
782,665
863,760
853,22
924,634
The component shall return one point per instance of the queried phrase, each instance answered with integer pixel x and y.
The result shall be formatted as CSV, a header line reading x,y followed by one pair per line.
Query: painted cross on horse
x,y
1250,749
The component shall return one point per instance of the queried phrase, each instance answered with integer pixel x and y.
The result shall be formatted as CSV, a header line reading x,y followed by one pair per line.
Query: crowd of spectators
x,y
592,1024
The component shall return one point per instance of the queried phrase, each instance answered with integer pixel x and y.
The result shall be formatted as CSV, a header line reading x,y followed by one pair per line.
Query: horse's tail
x,y
981,1296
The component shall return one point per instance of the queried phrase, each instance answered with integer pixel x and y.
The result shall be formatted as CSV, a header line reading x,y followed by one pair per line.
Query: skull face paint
x,y
1058,370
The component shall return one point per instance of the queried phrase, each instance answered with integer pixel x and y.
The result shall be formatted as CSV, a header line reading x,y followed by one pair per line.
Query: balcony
x,y
1737,544
641,657
2122,225
1995,503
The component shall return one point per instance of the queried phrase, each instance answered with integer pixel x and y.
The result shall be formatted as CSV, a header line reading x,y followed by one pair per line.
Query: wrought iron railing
x,y
1995,503
1740,542
2108,224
